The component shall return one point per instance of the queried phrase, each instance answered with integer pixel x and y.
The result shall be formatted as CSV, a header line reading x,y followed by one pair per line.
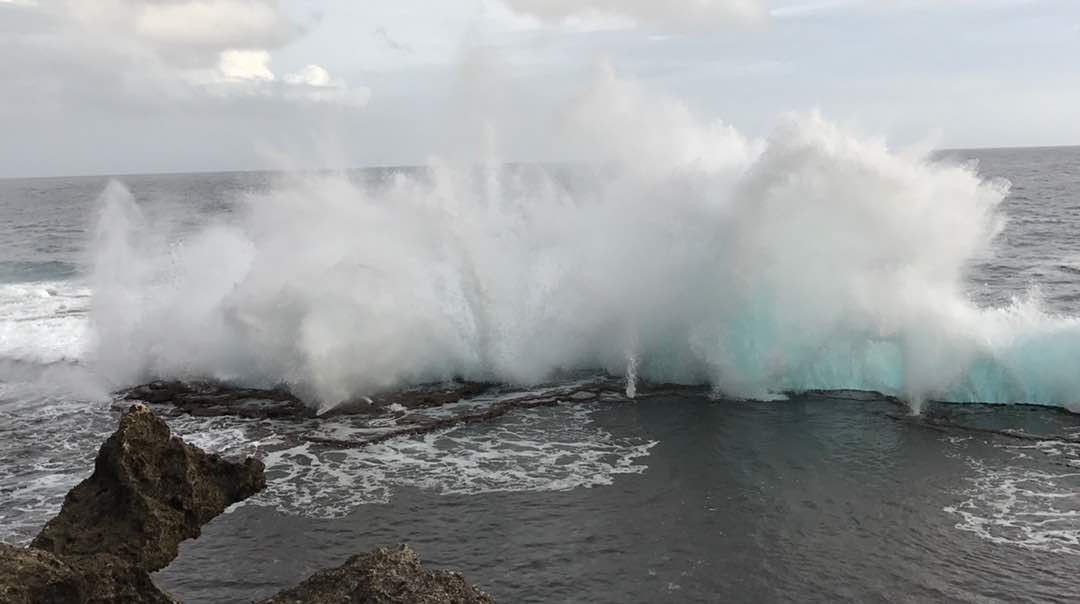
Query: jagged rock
x,y
388,575
149,491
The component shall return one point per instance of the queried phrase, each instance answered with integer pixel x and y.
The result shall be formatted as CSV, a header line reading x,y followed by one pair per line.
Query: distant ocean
x,y
804,296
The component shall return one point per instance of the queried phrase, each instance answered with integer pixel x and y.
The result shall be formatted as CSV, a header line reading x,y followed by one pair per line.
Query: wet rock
x,y
418,397
211,399
149,491
389,575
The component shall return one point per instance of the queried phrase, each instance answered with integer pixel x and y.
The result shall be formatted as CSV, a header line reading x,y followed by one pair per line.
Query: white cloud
x,y
248,74
313,75
214,23
183,29
314,83
246,65
670,14
152,53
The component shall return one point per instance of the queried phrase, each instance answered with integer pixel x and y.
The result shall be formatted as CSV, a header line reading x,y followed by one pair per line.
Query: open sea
x,y
844,327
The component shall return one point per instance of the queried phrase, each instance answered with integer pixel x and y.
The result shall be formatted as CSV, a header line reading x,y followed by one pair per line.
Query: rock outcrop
x,y
149,491
384,576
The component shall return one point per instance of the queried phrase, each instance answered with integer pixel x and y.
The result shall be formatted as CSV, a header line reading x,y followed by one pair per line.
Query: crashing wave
x,y
810,260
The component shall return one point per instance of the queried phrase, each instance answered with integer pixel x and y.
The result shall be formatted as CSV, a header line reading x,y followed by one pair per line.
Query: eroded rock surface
x,y
388,575
31,575
149,491
208,399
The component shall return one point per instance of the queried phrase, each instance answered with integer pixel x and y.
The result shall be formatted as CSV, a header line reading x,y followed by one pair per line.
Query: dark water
x,y
678,498
1039,246
811,500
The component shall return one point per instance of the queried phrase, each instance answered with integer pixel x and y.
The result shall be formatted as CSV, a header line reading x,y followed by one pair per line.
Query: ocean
x,y
875,352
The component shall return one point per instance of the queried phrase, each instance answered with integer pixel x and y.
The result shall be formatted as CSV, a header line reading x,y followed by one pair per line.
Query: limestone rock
x,y
388,575
149,491
33,576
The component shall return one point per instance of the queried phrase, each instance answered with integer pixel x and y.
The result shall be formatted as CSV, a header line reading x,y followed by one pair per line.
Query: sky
x,y
136,86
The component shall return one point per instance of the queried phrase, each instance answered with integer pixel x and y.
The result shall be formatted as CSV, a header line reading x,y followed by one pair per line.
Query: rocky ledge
x,y
149,491
209,399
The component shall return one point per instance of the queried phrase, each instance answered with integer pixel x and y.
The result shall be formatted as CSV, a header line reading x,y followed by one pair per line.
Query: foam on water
x,y
549,449
47,448
43,322
1021,503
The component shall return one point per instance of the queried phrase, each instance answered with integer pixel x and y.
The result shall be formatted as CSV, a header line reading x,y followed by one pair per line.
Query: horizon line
x,y
417,166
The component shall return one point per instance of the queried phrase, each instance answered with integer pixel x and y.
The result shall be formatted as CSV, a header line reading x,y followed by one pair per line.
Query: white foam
x,y
44,322
47,445
548,449
1014,503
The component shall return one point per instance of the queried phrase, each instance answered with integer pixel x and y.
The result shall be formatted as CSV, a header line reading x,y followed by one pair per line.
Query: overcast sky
x,y
126,86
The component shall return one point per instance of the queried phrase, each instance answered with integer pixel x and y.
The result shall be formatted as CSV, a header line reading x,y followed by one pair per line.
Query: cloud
x,y
246,65
312,75
812,8
248,74
671,14
152,55
314,83
215,24
186,33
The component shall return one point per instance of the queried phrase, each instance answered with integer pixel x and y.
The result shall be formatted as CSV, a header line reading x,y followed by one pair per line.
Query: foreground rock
x,y
32,576
149,491
385,576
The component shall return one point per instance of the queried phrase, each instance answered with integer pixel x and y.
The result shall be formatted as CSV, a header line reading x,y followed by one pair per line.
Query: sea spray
x,y
813,259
